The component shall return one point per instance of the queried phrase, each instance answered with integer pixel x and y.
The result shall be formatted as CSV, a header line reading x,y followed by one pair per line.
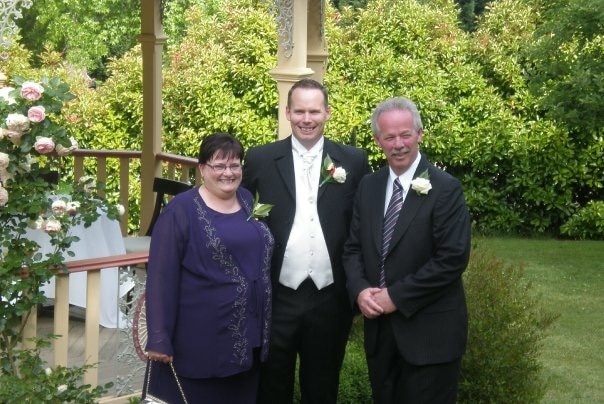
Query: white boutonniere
x,y
331,173
259,210
421,184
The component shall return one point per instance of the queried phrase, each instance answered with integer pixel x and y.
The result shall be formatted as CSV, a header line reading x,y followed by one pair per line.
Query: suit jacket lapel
x,y
328,148
411,206
377,216
284,163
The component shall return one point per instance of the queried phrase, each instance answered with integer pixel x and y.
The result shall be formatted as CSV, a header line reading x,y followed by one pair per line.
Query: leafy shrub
x,y
506,329
587,223
37,383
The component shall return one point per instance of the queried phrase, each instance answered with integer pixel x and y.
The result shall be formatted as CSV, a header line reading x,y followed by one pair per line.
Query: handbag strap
x,y
149,367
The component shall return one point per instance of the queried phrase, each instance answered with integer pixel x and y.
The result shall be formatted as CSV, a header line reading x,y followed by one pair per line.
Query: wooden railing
x,y
173,167
92,326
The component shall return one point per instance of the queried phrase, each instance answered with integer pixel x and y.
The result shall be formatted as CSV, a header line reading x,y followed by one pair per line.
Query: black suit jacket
x,y
428,253
269,170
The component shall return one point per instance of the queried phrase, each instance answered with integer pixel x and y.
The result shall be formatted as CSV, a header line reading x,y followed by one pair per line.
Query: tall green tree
x,y
565,72
87,33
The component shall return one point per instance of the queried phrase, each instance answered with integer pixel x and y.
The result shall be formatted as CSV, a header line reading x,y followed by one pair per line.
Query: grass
x,y
569,278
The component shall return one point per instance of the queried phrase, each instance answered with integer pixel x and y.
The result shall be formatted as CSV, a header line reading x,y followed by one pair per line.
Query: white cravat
x,y
308,160
306,252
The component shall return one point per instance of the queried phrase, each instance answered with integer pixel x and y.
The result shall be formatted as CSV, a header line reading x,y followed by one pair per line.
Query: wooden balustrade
x,y
92,328
173,167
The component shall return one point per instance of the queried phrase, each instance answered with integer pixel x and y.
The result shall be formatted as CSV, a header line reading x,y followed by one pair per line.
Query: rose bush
x,y
31,147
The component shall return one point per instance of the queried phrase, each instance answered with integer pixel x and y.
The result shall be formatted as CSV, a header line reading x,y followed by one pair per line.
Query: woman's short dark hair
x,y
220,145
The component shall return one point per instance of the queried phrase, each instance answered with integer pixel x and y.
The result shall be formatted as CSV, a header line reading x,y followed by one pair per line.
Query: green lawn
x,y
569,277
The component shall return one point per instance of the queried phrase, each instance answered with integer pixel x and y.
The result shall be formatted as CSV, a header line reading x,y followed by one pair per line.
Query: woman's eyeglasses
x,y
221,168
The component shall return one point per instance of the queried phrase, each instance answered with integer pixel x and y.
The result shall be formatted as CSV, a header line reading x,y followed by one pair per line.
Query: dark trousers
x,y
314,325
396,381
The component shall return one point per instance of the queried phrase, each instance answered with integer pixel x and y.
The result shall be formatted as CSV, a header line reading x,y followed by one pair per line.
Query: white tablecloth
x,y
102,239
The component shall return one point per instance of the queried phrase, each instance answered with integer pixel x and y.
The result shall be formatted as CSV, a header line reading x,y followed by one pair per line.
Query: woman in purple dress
x,y
208,293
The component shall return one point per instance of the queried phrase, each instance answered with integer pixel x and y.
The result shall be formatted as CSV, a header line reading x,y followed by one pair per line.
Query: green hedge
x,y
523,172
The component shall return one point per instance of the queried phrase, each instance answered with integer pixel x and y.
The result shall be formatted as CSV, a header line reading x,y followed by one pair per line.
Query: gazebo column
x,y
292,21
317,48
152,40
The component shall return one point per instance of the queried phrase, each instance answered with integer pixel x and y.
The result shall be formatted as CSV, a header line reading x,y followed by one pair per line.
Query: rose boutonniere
x,y
259,210
421,184
331,173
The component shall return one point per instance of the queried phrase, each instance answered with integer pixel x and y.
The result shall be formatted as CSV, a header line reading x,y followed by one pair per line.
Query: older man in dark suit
x,y
408,247
311,181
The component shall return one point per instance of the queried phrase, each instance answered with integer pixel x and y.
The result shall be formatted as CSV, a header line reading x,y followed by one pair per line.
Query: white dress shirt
x,y
405,180
306,252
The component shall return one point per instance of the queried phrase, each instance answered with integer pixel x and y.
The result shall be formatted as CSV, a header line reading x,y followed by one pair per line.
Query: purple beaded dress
x,y
208,299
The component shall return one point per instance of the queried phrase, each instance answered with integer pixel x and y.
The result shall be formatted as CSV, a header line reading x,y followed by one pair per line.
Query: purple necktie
x,y
394,207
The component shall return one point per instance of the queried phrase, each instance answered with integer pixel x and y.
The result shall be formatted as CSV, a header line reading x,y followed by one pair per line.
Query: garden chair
x,y
163,188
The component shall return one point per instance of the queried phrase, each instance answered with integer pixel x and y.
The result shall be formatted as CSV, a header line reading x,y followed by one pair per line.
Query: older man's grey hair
x,y
393,104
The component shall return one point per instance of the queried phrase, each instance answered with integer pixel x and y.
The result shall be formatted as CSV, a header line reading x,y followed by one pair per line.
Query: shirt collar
x,y
300,150
406,177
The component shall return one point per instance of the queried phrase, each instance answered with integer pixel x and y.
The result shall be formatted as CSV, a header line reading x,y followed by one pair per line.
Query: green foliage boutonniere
x,y
331,173
421,184
259,210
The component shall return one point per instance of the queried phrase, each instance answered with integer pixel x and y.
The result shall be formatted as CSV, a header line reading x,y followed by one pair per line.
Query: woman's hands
x,y
159,357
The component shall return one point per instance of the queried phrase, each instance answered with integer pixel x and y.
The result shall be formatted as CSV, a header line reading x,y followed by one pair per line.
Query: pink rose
x,y
36,114
44,145
31,91
3,196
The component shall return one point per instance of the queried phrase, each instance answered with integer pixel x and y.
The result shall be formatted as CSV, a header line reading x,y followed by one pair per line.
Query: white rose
x,y
64,151
14,136
421,185
48,371
3,196
339,175
52,226
17,122
5,176
88,183
59,206
4,94
61,388
4,160
120,209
